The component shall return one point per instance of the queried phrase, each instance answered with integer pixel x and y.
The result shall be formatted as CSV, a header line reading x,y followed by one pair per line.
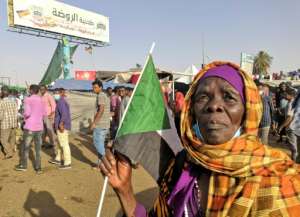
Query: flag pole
x,y
102,196
106,178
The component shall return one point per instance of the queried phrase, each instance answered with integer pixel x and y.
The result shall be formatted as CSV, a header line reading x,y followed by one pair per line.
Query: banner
x,y
57,17
66,58
85,75
247,61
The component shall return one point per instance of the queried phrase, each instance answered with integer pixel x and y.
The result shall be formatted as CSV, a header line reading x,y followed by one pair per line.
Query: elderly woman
x,y
224,170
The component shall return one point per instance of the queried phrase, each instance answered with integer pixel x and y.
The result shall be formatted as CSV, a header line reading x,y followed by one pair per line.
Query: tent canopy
x,y
187,76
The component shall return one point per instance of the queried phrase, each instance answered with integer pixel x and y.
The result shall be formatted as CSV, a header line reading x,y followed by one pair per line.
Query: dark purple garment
x,y
140,211
184,192
62,114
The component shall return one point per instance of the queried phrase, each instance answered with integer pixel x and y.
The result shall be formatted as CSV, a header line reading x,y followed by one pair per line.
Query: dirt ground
x,y
64,193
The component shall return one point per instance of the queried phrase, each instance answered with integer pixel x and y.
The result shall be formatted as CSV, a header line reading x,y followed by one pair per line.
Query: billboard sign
x,y
85,75
247,61
57,17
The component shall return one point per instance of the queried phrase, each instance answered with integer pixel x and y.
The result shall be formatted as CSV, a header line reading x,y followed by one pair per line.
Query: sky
x,y
228,27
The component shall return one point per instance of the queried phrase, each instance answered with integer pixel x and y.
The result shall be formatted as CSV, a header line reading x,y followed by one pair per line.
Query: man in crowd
x,y
177,107
8,123
295,124
50,105
34,113
101,121
129,91
14,96
115,102
266,120
62,124
109,92
124,102
281,104
289,115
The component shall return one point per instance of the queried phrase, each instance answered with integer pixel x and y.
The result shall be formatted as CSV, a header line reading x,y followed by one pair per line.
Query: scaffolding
x,y
56,36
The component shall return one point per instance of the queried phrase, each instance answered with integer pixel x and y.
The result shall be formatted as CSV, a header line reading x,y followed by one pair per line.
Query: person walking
x,y
281,104
50,105
115,103
101,123
124,102
266,120
34,113
295,124
289,115
8,123
62,125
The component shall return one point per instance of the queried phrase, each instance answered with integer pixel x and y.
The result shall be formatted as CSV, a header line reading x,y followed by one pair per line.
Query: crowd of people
x,y
280,106
231,116
45,118
40,115
225,167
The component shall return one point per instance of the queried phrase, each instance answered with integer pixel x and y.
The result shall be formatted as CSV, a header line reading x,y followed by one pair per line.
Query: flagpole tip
x,y
152,48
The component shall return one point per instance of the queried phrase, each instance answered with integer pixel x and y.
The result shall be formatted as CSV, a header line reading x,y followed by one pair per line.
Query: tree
x,y
262,62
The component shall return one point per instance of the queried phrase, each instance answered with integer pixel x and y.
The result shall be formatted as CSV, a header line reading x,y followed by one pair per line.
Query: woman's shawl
x,y
247,177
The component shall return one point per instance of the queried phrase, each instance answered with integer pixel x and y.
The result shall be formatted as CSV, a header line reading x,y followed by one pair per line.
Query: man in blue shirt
x,y
62,125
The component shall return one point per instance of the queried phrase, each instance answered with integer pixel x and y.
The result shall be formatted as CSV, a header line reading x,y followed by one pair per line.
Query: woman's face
x,y
219,110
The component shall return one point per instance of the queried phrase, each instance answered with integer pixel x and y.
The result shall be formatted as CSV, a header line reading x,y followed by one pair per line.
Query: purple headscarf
x,y
229,74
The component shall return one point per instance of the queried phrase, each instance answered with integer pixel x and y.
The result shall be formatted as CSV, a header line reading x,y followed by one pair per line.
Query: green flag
x,y
146,111
147,131
54,69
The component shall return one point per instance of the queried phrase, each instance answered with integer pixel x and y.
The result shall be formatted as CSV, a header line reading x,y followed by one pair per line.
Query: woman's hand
x,y
118,170
61,127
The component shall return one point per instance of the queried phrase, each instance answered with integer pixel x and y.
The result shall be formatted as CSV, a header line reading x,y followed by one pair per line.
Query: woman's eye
x,y
228,96
202,97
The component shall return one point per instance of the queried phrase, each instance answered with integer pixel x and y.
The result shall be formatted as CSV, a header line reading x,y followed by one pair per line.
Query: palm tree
x,y
262,62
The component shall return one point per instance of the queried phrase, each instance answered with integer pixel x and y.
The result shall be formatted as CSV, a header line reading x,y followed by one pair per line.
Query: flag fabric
x,y
54,69
147,133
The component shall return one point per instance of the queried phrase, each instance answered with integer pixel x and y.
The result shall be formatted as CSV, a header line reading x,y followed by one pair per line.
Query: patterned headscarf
x,y
247,177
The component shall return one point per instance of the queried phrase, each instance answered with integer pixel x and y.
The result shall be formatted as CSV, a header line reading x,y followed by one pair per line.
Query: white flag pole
x,y
102,196
106,178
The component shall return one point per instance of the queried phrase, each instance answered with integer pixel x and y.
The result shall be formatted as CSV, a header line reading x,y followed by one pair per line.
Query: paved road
x,y
82,110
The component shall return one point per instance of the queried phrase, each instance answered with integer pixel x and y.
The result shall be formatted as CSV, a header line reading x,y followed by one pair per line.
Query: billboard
x,y
85,75
57,17
247,61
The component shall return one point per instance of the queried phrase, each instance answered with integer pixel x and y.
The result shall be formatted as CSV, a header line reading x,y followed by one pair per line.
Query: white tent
x,y
187,76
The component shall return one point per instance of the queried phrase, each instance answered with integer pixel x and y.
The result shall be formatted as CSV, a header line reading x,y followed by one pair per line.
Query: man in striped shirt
x,y
8,121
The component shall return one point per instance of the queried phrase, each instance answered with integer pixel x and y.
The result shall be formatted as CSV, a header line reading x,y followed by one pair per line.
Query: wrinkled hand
x,y
118,170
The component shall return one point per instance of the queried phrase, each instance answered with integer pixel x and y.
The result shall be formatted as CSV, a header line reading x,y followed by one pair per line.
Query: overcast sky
x,y
229,27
